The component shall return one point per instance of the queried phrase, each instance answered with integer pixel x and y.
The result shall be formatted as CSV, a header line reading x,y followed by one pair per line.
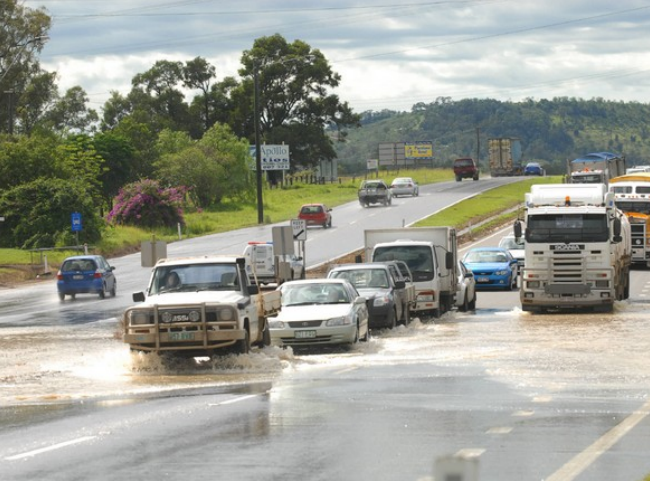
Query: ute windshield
x,y
195,277
567,228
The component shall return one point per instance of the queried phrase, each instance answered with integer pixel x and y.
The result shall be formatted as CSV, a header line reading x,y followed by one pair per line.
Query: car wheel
x,y
472,303
114,289
102,293
61,296
242,346
391,322
366,338
329,223
407,315
464,307
73,296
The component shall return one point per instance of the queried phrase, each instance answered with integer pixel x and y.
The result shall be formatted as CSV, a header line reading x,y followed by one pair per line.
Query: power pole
x,y
478,145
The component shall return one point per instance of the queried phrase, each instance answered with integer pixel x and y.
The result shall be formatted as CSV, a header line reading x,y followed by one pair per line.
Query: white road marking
x,y
235,400
580,462
50,448
470,452
500,430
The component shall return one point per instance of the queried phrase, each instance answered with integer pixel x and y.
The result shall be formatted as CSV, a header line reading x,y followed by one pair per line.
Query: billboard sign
x,y
274,157
419,150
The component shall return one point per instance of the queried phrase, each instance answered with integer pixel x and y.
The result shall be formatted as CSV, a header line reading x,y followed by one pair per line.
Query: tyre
x,y
458,178
472,303
464,307
366,338
114,289
61,296
102,293
407,315
242,346
391,321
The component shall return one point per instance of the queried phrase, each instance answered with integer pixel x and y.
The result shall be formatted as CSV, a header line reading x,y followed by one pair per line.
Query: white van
x,y
260,263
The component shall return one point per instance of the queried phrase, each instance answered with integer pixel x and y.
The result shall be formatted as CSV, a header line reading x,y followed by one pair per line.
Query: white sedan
x,y
319,312
466,296
404,186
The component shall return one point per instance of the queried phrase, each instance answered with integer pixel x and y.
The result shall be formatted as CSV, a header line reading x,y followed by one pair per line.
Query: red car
x,y
316,214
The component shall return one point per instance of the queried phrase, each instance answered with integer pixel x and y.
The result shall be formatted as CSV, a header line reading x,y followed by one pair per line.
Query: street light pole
x,y
258,147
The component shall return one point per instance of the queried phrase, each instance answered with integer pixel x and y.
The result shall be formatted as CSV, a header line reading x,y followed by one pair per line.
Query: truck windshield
x,y
195,277
567,227
642,207
419,259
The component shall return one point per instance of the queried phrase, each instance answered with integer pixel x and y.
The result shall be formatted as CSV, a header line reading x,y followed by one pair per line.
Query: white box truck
x,y
578,249
431,254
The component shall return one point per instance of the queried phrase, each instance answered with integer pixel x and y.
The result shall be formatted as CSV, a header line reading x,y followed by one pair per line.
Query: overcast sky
x,y
390,55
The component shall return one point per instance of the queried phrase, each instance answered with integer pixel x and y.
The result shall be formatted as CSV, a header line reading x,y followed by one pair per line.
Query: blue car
x,y
533,168
493,268
86,274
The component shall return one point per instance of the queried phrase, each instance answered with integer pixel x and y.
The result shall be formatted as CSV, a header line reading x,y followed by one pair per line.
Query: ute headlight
x,y
380,301
138,317
533,284
275,324
166,316
226,314
602,284
339,321
194,316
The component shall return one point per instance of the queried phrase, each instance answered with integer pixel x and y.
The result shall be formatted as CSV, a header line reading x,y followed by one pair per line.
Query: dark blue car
x,y
86,274
493,267
533,168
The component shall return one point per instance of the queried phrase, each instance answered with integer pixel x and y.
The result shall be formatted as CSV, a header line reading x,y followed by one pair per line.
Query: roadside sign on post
x,y
76,221
299,229
282,241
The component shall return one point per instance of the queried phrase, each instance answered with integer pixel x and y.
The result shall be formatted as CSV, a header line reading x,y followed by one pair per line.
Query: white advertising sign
x,y
274,157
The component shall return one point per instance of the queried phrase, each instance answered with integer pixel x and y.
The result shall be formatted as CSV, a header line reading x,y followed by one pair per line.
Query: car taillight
x,y
59,276
97,275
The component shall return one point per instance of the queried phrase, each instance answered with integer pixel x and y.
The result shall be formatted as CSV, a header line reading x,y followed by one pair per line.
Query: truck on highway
x,y
632,196
577,249
199,306
263,266
505,157
595,168
431,254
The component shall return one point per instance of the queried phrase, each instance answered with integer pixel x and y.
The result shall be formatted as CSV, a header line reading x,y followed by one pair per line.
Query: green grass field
x,y
283,205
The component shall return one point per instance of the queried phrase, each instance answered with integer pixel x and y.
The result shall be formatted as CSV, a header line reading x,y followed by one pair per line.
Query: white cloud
x,y
390,56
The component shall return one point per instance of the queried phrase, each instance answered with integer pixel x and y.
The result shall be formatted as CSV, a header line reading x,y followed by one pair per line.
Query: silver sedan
x,y
319,312
404,186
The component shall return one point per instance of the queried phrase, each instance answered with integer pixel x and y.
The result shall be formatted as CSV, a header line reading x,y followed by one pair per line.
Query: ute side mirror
x,y
253,289
138,297
517,229
400,284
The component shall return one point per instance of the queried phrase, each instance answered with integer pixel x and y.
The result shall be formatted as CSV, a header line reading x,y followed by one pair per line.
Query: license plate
x,y
181,336
482,279
78,277
305,334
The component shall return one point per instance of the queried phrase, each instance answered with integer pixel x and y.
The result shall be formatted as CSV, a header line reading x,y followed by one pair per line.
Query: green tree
x,y
71,114
22,37
38,214
293,81
212,168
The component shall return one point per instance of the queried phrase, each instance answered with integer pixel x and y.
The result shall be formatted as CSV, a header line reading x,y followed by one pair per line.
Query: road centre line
x,y
49,448
581,461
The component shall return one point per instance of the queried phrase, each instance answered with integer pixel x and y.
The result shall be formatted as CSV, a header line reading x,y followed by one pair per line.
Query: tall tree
x,y
22,36
292,87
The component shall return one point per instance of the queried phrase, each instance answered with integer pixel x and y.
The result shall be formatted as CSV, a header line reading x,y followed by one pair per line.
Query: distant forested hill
x,y
551,131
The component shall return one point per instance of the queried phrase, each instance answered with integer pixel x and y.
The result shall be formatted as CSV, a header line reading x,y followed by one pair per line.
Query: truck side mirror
x,y
357,259
617,230
517,229
449,260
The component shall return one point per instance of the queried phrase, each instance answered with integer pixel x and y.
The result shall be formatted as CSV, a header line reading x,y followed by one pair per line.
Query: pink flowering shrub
x,y
146,204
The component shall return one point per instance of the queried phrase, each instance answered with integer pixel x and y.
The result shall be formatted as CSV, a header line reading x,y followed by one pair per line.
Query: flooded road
x,y
525,395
